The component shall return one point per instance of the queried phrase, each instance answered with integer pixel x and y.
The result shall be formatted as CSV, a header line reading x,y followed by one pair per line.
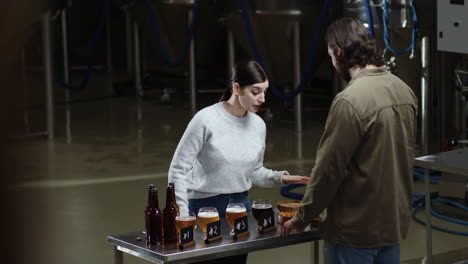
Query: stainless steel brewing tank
x,y
272,23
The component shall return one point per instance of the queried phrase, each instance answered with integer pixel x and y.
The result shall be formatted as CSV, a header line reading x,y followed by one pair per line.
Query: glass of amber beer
x,y
259,207
234,211
184,220
206,215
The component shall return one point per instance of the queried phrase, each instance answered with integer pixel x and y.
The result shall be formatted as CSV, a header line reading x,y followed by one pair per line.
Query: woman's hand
x,y
294,179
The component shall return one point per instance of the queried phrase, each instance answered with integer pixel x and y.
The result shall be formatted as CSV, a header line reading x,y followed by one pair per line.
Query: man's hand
x,y
288,226
295,179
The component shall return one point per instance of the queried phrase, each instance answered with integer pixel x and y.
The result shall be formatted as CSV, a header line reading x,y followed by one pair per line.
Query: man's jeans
x,y
336,254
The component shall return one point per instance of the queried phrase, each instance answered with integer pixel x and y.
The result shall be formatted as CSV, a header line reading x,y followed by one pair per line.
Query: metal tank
x,y
173,18
273,24
283,31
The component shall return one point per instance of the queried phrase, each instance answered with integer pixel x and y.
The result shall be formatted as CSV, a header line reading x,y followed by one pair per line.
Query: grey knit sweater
x,y
218,154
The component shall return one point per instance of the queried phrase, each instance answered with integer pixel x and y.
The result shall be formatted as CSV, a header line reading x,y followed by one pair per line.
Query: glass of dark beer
x,y
259,207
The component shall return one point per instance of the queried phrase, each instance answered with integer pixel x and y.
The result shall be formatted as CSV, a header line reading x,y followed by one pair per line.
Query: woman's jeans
x,y
220,202
336,254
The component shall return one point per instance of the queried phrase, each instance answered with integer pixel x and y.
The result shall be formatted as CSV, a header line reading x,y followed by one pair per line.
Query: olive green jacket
x,y
363,169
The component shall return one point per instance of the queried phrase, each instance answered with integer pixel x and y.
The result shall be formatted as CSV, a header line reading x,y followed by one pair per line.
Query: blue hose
x,y
419,202
310,59
386,35
285,191
413,215
370,20
157,34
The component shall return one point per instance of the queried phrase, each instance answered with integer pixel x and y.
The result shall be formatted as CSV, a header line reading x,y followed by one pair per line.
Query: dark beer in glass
x,y
260,207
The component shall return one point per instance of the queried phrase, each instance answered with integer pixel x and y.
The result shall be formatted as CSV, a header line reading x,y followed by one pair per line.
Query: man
x,y
363,168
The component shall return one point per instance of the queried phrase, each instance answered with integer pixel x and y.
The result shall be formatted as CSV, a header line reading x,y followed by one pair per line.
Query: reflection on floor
x,y
91,182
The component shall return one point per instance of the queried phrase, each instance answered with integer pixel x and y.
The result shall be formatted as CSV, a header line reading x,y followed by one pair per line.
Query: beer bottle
x,y
147,210
170,213
155,219
173,196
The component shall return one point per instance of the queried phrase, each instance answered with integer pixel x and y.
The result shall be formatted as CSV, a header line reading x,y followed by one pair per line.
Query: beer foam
x,y
208,214
235,210
186,218
261,206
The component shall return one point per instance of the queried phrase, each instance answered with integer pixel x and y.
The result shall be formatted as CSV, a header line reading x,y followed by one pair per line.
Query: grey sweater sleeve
x,y
264,177
184,158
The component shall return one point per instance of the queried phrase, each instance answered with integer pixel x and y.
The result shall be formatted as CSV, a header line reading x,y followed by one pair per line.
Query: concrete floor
x,y
92,182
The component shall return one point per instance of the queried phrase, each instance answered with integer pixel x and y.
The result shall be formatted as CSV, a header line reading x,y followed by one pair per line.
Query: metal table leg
x,y
316,252
118,256
428,217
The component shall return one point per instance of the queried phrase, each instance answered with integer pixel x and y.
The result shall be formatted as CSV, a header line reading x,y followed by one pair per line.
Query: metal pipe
x,y
231,51
296,82
443,94
24,78
128,41
136,60
455,96
66,71
66,65
297,75
47,60
463,105
192,88
109,53
425,95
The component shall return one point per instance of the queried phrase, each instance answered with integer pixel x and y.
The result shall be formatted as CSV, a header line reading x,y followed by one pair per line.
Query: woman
x,y
221,152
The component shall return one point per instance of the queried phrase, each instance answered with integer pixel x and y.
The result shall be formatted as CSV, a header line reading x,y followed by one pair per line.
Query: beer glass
x,y
234,211
206,215
185,220
259,207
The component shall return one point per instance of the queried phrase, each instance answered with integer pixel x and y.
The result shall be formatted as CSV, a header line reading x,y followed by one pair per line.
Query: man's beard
x,y
344,73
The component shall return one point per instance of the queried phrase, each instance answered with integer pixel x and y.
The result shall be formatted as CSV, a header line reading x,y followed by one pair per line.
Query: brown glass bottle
x,y
155,220
147,209
170,213
173,196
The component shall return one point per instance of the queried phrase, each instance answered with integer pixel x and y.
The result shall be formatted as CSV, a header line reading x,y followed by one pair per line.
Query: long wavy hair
x,y
245,72
358,48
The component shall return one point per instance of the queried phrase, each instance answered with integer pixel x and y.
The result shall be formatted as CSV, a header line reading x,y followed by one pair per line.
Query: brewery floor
x,y
91,181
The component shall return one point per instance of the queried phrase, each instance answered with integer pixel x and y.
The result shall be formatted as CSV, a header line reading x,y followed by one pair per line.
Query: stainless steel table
x,y
456,162
226,247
